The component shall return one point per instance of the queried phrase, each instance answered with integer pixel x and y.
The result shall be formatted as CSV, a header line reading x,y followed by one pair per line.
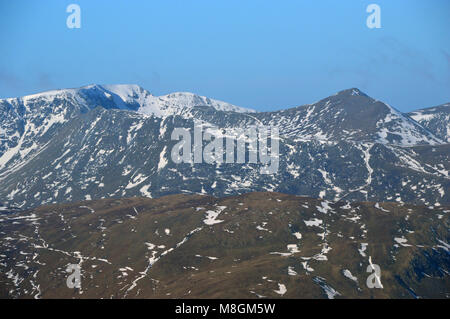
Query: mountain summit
x,y
350,115
28,122
352,92
135,98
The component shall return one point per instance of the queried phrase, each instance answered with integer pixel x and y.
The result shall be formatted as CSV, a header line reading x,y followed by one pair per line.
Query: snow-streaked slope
x,y
99,141
350,115
112,153
132,96
404,130
27,122
436,119
182,103
178,103
254,251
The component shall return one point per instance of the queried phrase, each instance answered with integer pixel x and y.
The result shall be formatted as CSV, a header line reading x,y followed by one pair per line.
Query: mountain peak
x,y
352,92
149,104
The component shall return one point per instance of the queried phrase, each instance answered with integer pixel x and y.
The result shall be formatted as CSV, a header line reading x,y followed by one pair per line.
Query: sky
x,y
266,55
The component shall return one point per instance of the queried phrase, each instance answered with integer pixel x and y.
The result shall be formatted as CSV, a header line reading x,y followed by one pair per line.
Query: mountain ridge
x,y
436,119
59,149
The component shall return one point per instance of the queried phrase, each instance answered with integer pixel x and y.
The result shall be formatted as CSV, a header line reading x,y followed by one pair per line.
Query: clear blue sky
x,y
254,53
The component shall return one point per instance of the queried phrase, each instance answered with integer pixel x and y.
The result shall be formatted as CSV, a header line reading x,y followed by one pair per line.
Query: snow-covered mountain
x,y
114,141
436,119
26,123
350,115
179,103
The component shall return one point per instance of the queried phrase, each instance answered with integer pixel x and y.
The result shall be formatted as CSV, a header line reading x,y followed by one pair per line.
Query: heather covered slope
x,y
254,245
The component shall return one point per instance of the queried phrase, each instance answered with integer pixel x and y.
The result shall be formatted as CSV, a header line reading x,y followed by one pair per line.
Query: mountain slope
x,y
115,153
27,123
436,119
93,142
260,245
350,115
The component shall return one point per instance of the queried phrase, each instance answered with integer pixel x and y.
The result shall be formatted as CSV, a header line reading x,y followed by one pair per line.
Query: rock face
x,y
259,245
115,141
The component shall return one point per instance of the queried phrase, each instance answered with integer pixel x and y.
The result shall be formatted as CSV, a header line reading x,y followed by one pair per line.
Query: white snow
x,y
377,205
293,248
363,249
291,271
313,222
281,289
349,275
297,235
306,266
211,216
402,241
325,208
182,103
330,291
162,159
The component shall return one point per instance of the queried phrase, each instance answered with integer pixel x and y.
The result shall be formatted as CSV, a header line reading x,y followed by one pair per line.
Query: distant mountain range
x,y
103,141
